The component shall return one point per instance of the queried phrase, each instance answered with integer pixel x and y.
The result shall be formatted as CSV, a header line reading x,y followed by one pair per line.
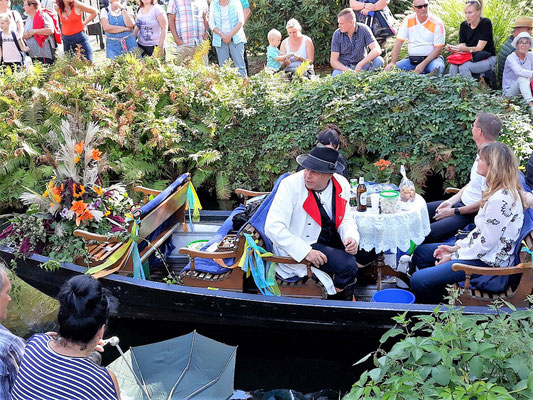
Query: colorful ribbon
x,y
264,274
131,244
193,202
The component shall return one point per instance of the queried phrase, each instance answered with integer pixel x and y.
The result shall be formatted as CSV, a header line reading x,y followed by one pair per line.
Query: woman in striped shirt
x,y
57,367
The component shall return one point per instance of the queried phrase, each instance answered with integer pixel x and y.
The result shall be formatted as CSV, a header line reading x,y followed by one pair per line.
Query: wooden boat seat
x,y
231,278
518,297
155,227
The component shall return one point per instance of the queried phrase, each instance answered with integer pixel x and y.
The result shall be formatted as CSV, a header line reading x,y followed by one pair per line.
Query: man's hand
x,y
419,69
389,66
364,11
359,66
442,213
350,245
179,42
316,257
205,36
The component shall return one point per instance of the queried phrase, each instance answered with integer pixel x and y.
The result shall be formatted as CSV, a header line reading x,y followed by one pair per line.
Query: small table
x,y
386,232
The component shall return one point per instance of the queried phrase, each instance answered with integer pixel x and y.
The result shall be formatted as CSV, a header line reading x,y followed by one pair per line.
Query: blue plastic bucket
x,y
394,296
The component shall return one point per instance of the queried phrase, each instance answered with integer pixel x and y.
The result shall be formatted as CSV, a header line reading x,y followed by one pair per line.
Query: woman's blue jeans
x,y
429,283
70,44
236,51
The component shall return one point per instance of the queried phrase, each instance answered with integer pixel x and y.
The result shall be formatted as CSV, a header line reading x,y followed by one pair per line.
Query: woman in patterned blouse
x,y
491,243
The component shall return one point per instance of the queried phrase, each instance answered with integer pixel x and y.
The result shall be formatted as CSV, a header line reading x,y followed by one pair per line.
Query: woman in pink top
x,y
151,28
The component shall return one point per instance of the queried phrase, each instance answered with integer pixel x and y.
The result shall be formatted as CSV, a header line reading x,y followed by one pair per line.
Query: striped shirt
x,y
47,375
11,351
190,24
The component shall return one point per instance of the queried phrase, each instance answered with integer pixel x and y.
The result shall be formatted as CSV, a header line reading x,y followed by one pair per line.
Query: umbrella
x,y
186,367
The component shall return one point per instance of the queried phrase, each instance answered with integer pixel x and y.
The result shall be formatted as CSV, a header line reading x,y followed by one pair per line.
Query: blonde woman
x,y
476,37
298,45
491,243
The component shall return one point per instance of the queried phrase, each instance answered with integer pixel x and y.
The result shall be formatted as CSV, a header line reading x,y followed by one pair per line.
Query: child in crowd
x,y
275,59
11,45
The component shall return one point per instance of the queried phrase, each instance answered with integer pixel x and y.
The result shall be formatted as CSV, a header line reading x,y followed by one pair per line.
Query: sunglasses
x,y
422,6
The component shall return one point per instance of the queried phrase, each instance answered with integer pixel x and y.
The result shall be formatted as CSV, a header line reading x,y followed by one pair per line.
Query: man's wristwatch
x,y
457,212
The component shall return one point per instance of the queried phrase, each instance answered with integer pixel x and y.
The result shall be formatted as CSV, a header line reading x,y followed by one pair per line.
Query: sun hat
x,y
523,22
522,35
321,159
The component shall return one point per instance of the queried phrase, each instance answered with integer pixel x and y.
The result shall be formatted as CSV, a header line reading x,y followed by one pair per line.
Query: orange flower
x,y
78,147
382,164
96,155
85,216
56,193
77,159
76,186
98,190
78,207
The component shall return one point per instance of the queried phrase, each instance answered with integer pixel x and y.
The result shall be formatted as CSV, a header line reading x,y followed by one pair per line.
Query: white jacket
x,y
293,231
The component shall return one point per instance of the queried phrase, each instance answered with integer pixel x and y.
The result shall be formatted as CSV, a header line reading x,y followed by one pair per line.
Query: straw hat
x,y
522,35
524,22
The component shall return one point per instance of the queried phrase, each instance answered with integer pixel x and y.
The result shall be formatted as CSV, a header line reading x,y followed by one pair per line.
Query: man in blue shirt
x,y
349,43
11,346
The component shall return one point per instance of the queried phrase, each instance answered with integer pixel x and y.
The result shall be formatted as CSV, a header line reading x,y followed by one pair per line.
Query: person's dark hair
x,y
490,124
141,2
330,135
83,309
61,5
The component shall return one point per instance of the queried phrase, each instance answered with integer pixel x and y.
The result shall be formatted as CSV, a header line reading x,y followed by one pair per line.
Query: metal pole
x,y
114,341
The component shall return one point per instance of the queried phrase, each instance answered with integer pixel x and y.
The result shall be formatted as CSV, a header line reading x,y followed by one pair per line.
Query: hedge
x,y
160,120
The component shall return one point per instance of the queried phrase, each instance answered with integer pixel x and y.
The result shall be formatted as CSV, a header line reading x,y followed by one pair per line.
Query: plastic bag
x,y
407,187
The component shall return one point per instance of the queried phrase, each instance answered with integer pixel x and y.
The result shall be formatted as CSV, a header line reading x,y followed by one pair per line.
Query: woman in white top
x,y
300,46
493,240
226,19
151,28
518,71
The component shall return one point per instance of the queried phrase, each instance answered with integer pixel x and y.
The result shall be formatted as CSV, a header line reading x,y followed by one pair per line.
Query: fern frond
x,y
200,176
223,186
205,157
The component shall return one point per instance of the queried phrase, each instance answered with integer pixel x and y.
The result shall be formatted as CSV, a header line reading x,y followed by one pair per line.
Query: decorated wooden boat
x,y
159,299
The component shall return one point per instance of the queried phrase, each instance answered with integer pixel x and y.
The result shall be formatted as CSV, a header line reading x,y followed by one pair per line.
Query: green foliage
x,y
451,355
157,121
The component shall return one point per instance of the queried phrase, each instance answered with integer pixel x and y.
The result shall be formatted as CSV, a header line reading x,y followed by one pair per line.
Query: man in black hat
x,y
310,218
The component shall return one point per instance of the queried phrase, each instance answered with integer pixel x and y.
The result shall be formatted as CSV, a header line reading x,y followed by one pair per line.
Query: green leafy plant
x,y
451,355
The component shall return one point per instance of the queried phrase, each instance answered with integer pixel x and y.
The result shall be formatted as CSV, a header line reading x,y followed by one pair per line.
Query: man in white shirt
x,y
460,209
425,35
310,219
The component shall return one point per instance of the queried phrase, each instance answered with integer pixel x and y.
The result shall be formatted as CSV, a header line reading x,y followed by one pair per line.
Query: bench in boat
x,y
219,269
159,218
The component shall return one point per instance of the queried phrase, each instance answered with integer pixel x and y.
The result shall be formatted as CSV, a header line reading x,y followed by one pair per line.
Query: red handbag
x,y
531,84
459,58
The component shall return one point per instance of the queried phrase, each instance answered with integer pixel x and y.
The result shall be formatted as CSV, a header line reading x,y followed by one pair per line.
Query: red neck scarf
x,y
38,23
311,207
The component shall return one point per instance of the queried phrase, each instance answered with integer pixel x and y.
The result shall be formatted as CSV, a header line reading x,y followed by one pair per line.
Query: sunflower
x,y
75,192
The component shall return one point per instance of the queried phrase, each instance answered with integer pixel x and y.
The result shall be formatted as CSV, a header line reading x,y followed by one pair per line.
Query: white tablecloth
x,y
384,232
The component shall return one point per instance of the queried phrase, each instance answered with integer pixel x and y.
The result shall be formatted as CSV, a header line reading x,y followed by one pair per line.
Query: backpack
x,y
57,29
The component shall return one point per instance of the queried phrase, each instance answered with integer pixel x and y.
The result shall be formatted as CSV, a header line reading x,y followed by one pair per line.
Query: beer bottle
x,y
361,195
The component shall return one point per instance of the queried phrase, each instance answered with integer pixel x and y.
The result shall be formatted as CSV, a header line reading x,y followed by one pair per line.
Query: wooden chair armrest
x,y
284,260
208,254
451,190
93,236
146,190
470,269
248,193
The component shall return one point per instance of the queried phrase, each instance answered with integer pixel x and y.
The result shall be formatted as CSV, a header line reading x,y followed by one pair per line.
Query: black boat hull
x,y
146,300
